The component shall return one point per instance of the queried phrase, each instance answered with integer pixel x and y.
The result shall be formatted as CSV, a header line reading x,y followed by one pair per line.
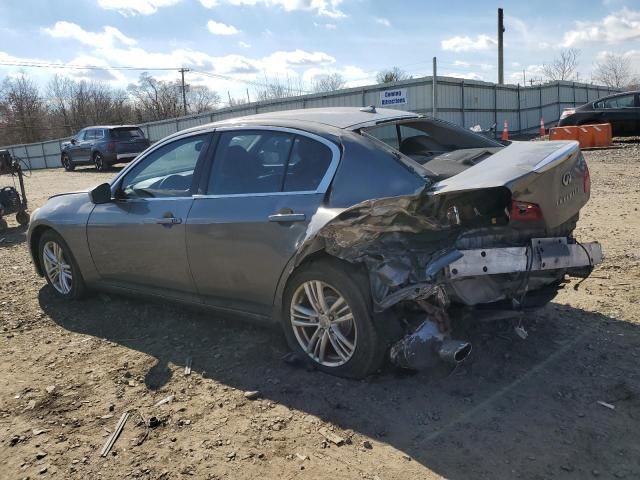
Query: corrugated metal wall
x,y
463,102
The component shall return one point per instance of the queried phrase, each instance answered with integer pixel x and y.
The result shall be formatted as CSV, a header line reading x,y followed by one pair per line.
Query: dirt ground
x,y
517,409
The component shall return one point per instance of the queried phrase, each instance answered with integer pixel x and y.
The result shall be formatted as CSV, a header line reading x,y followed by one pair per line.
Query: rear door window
x,y
250,161
308,165
625,101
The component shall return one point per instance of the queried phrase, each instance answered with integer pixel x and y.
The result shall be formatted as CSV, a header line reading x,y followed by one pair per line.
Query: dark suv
x,y
103,146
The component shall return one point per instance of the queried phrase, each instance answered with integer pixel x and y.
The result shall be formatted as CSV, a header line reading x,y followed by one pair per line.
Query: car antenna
x,y
369,109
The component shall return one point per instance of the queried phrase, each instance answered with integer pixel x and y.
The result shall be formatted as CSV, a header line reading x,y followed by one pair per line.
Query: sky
x,y
234,45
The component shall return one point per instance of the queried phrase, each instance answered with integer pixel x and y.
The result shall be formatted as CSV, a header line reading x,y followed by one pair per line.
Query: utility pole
x,y
524,78
500,46
248,99
434,88
184,90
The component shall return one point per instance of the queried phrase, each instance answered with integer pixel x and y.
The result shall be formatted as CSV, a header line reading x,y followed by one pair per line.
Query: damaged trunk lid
x,y
551,176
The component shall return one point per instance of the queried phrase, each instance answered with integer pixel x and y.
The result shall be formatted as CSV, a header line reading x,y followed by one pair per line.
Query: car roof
x,y
111,126
618,94
348,118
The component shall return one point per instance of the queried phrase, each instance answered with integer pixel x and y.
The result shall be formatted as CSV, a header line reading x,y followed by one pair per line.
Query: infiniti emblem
x,y
566,179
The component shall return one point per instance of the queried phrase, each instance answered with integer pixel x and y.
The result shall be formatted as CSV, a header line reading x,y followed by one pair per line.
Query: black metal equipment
x,y
12,201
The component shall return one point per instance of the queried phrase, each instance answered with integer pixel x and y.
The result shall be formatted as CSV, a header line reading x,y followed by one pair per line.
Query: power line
x,y
81,67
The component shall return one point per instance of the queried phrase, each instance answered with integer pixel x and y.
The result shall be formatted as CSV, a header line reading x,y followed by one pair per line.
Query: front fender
x,y
67,215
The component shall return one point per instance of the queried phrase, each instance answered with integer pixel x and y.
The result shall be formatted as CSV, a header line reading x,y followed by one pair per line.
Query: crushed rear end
x,y
492,241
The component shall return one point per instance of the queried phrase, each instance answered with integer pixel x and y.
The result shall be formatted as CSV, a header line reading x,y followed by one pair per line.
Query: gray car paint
x,y
149,246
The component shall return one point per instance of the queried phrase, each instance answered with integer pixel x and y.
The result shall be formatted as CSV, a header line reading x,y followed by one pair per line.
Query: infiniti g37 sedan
x,y
365,233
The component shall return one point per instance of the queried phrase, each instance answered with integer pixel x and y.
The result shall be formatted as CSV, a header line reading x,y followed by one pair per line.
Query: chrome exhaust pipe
x,y
454,352
427,348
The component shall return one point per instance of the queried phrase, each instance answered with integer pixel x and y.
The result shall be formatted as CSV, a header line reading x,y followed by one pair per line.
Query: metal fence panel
x,y
464,102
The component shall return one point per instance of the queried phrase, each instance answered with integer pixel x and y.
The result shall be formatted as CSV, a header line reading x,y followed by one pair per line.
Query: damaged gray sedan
x,y
364,233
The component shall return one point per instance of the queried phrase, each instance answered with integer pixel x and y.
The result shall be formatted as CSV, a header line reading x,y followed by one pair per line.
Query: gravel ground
x,y
518,409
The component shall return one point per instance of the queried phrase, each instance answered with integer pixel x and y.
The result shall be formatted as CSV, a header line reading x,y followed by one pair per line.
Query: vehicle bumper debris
x,y
542,254
427,347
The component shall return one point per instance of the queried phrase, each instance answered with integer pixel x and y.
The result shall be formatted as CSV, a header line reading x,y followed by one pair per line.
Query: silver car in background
x,y
363,232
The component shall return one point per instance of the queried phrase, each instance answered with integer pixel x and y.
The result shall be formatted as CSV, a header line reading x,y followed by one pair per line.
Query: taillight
x,y
111,147
525,212
587,180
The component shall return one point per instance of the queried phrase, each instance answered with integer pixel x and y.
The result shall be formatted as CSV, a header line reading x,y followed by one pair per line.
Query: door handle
x,y
169,221
287,217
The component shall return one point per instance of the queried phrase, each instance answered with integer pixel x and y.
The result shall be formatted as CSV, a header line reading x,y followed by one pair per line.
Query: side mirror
x,y
73,141
100,194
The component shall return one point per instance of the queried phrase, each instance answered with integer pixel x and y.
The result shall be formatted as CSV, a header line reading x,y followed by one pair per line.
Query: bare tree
x,y
23,109
202,99
563,67
394,74
75,104
155,99
614,71
329,83
276,88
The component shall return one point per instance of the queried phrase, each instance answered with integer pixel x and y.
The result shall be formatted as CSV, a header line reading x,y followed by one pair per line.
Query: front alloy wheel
x,y
101,165
323,323
59,267
67,163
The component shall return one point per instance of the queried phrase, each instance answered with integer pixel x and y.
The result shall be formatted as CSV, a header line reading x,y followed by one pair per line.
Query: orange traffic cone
x,y
505,132
542,131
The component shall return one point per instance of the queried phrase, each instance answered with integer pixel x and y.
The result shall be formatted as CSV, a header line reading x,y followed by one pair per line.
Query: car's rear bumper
x,y
541,255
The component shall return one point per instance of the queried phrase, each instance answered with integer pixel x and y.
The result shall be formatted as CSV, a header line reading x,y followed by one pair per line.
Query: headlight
x,y
566,112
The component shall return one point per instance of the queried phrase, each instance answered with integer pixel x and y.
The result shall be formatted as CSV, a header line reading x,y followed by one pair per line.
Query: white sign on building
x,y
388,98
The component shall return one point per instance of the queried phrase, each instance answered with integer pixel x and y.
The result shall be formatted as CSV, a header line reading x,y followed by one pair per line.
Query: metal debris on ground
x,y
114,436
252,394
332,437
606,405
168,399
187,367
521,332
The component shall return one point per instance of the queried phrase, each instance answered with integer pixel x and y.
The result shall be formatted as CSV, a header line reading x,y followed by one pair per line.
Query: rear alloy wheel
x,y
101,165
59,266
67,163
323,324
327,319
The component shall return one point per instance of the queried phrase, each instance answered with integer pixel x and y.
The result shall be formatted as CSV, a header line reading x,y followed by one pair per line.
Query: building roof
x,y
339,117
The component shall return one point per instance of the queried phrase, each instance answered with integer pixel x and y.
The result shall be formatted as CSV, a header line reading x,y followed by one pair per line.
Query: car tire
x,y
54,252
100,162
343,347
23,218
67,163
